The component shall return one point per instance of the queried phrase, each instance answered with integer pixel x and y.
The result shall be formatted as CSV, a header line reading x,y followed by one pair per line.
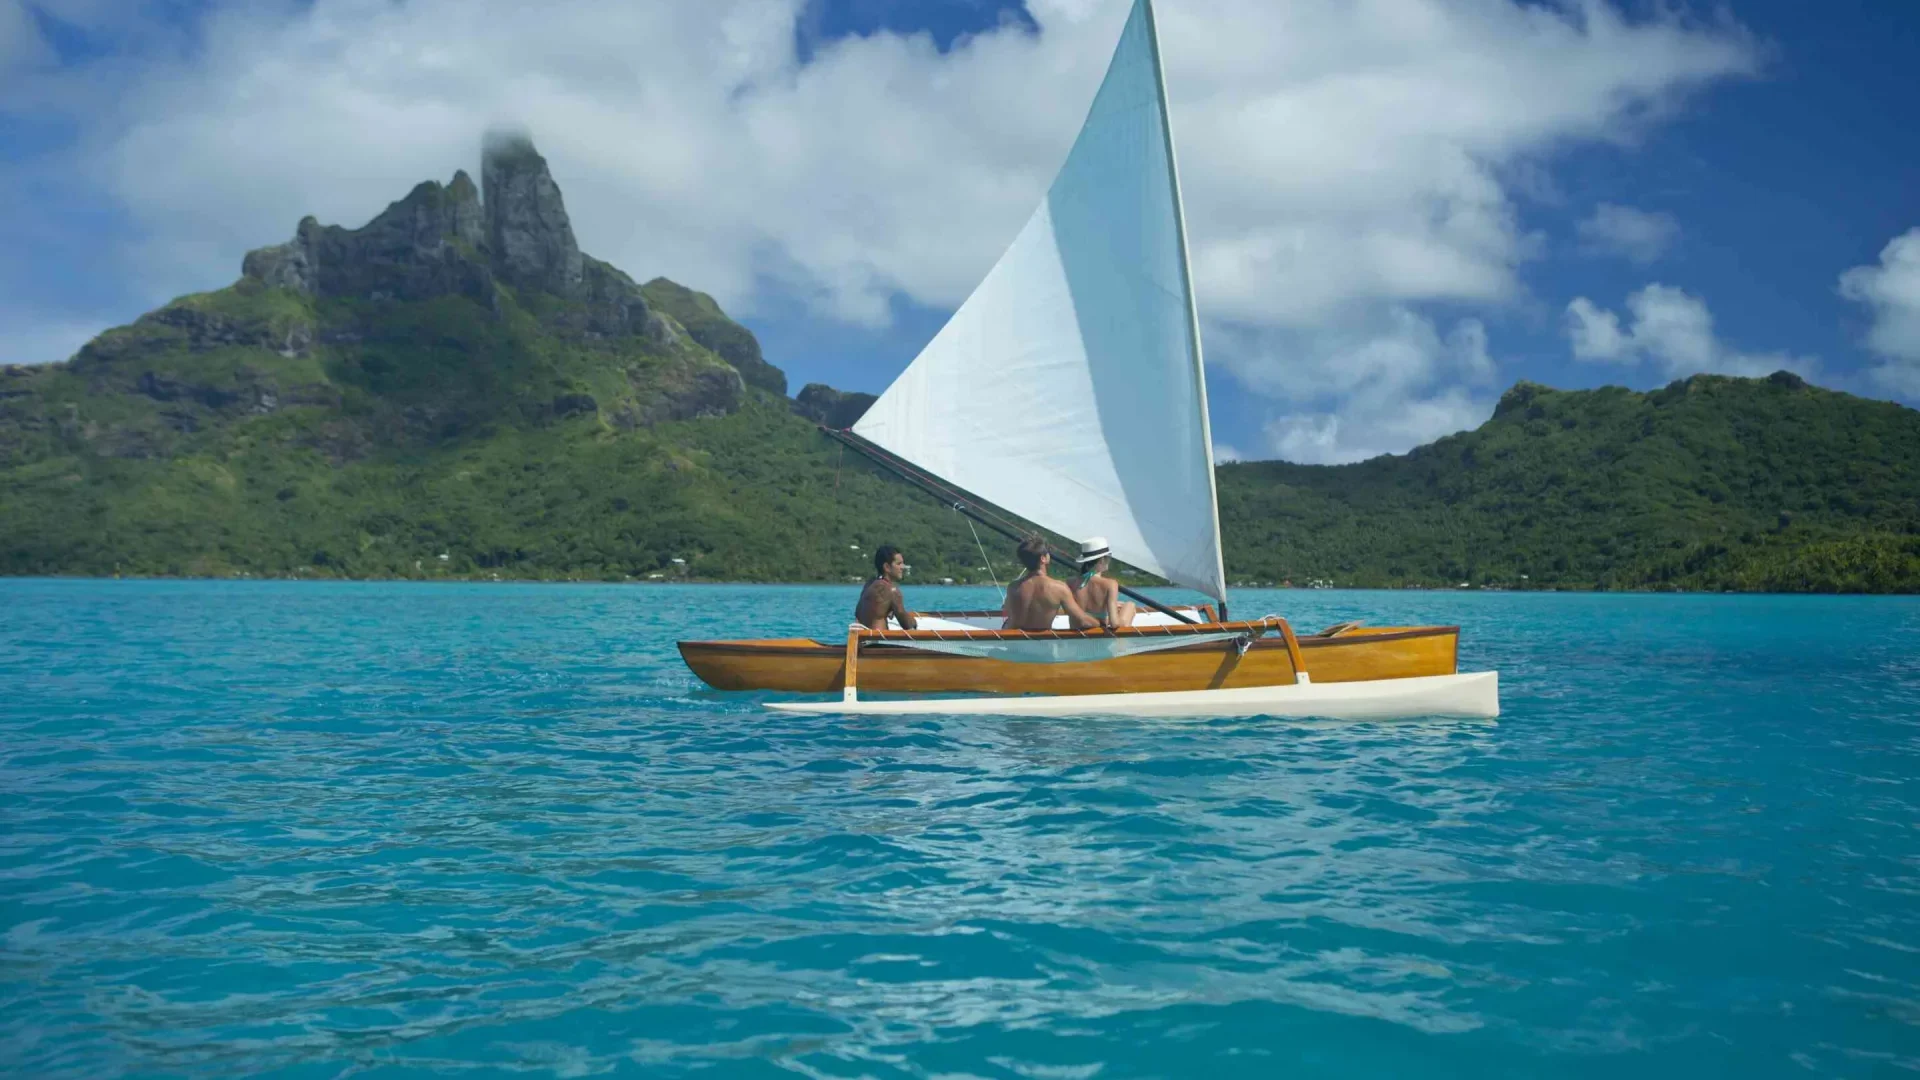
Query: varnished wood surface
x,y
802,665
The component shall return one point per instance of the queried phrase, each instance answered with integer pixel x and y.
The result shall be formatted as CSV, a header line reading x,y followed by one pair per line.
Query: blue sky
x,y
1619,194
1776,183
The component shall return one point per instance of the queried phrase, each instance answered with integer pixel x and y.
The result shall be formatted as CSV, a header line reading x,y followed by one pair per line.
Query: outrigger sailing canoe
x,y
1091,311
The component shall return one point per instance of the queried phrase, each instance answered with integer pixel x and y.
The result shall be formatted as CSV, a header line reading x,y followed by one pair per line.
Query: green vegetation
x,y
710,327
259,430
1710,483
414,430
741,497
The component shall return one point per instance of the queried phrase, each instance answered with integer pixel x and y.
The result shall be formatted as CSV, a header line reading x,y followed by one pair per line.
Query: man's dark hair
x,y
883,555
1030,551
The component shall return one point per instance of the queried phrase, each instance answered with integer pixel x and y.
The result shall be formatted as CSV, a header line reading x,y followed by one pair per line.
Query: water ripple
x,y
315,830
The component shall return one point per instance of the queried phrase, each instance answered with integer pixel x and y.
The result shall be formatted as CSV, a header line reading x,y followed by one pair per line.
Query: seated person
x,y
1034,598
881,597
1099,594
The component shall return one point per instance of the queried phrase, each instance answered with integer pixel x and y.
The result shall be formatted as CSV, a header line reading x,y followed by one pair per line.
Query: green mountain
x,y
453,379
1711,483
456,390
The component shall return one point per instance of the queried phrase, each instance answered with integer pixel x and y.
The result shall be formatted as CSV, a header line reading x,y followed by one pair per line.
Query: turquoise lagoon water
x,y
321,830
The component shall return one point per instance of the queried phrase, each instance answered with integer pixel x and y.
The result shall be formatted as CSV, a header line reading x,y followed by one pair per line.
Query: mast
x,y
1094,296
1186,276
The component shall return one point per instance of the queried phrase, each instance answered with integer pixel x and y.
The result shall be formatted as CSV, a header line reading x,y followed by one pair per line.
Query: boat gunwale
x,y
781,646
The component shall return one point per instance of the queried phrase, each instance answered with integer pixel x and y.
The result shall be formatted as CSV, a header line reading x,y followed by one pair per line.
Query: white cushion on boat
x,y
992,622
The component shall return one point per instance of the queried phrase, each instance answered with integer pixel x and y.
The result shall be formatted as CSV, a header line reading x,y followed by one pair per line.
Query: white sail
x,y
1068,389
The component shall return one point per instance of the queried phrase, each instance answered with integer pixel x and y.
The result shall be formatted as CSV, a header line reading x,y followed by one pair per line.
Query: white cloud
x,y
1374,387
1637,235
1891,290
1365,429
1596,334
1670,331
1223,453
1343,163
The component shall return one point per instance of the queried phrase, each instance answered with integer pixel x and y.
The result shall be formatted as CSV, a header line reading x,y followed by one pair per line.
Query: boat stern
x,y
797,665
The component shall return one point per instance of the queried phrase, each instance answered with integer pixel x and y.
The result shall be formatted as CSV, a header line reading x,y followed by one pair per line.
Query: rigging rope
x,y
983,556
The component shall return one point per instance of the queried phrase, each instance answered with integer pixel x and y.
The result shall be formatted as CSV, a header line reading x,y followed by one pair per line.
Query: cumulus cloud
x,y
1891,292
1670,332
1636,235
1368,427
1343,163
1374,386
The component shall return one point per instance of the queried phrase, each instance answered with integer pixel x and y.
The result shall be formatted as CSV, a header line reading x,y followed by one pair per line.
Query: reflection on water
x,y
259,826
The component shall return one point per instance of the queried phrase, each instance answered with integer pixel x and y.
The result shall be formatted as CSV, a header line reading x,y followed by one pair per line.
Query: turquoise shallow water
x,y
366,829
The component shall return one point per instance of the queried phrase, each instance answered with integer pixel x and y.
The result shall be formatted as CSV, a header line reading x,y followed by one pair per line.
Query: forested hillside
x,y
455,390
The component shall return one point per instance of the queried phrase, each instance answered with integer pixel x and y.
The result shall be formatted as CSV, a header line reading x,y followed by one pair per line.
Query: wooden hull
x,y
889,663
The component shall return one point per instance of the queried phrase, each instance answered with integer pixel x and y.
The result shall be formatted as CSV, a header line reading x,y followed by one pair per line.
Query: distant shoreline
x,y
910,585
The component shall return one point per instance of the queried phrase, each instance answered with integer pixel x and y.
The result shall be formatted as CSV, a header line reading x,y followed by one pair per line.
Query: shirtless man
x,y
1034,598
1098,593
882,597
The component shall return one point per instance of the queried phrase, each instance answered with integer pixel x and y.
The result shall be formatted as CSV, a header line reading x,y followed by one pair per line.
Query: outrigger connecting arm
x,y
973,508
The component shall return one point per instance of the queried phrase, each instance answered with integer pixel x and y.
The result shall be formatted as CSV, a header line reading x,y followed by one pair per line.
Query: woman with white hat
x,y
1100,594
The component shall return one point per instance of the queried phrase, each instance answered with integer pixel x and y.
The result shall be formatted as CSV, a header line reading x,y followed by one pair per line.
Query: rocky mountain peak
x,y
528,232
511,229
453,238
468,216
822,404
427,244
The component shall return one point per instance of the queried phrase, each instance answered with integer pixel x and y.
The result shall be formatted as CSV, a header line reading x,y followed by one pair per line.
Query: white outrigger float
x,y
1474,695
1093,302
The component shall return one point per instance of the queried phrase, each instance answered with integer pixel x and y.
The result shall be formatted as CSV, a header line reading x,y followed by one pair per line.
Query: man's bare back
x,y
882,597
1034,599
879,600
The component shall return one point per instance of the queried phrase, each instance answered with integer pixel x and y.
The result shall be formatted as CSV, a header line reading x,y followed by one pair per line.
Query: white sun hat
x,y
1093,549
